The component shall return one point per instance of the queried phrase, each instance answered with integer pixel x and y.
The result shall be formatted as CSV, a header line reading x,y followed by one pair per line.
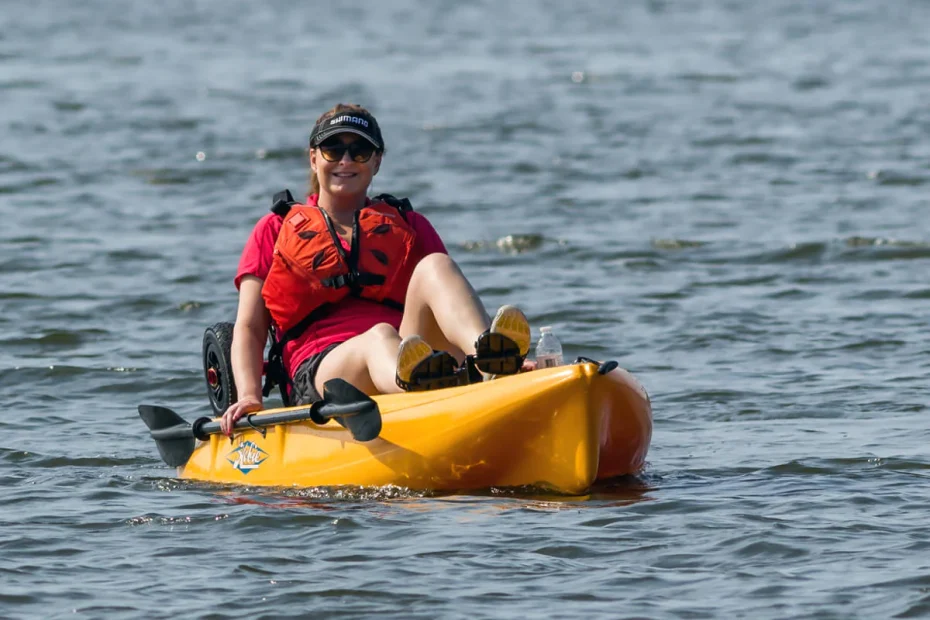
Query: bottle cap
x,y
545,330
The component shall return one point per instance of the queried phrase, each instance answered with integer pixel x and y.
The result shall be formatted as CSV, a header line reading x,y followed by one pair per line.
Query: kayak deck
x,y
560,428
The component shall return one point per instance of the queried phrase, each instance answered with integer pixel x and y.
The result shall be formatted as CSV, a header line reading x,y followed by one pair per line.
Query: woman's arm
x,y
248,350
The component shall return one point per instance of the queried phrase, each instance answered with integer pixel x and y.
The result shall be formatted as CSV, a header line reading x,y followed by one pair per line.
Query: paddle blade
x,y
352,408
173,436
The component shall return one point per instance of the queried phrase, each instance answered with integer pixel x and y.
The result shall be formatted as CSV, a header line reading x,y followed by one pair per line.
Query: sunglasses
x,y
360,151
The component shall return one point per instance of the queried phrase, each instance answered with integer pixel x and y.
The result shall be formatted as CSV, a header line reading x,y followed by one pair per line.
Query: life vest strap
x,y
276,373
390,303
282,202
401,204
354,280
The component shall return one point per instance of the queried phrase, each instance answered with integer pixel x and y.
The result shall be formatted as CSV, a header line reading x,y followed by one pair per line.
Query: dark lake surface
x,y
729,198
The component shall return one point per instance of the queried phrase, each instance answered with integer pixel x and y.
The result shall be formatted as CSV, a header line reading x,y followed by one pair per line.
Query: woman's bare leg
x,y
443,308
367,361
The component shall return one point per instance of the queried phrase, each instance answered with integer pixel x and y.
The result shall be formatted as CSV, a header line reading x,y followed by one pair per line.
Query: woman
x,y
378,328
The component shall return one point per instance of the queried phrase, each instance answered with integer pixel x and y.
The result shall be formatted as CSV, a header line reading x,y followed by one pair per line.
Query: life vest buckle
x,y
345,279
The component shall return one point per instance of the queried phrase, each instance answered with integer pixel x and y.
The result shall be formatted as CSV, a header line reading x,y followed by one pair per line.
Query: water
x,y
737,190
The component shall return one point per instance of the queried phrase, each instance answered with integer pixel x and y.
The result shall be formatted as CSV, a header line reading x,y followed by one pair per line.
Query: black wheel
x,y
217,366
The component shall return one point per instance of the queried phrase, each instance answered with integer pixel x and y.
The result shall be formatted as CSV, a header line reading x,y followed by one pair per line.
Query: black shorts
x,y
302,390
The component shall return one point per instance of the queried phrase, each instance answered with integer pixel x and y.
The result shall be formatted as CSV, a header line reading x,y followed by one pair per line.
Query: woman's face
x,y
345,176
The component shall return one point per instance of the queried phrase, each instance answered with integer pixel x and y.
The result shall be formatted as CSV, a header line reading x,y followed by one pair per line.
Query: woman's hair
x,y
339,108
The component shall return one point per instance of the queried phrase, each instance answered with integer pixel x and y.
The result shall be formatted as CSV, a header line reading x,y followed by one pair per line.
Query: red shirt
x,y
351,316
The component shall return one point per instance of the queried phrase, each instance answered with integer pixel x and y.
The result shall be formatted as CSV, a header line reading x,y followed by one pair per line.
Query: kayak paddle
x,y
342,401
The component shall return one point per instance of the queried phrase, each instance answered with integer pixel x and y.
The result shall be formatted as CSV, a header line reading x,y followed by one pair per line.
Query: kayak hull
x,y
560,429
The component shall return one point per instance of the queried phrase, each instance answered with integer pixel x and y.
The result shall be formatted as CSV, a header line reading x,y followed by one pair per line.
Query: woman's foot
x,y
502,349
421,368
412,352
511,322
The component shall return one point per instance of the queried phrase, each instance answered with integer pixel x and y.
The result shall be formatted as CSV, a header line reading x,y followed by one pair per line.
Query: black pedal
x,y
439,370
497,354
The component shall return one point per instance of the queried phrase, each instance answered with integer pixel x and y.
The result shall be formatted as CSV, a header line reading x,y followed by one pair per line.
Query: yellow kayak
x,y
561,429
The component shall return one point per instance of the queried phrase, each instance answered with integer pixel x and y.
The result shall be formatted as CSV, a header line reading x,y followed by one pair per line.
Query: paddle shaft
x,y
204,426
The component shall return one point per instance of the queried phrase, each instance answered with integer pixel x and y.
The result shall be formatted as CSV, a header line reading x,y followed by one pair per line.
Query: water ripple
x,y
724,197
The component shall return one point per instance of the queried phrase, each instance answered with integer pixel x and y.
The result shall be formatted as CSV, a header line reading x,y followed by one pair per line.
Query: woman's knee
x,y
433,267
358,359
384,332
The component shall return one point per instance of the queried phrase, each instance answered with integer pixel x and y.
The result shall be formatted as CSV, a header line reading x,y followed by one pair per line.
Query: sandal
x,y
420,368
502,349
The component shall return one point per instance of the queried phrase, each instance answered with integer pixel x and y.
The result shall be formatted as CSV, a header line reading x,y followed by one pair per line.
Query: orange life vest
x,y
311,268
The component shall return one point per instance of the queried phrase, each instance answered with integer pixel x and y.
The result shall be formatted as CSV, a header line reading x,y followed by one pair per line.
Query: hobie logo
x,y
247,457
349,119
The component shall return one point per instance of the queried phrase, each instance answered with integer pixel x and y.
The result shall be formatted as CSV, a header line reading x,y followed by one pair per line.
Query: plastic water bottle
x,y
548,349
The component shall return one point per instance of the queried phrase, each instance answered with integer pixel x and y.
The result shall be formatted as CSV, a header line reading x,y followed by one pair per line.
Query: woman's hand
x,y
528,365
244,406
